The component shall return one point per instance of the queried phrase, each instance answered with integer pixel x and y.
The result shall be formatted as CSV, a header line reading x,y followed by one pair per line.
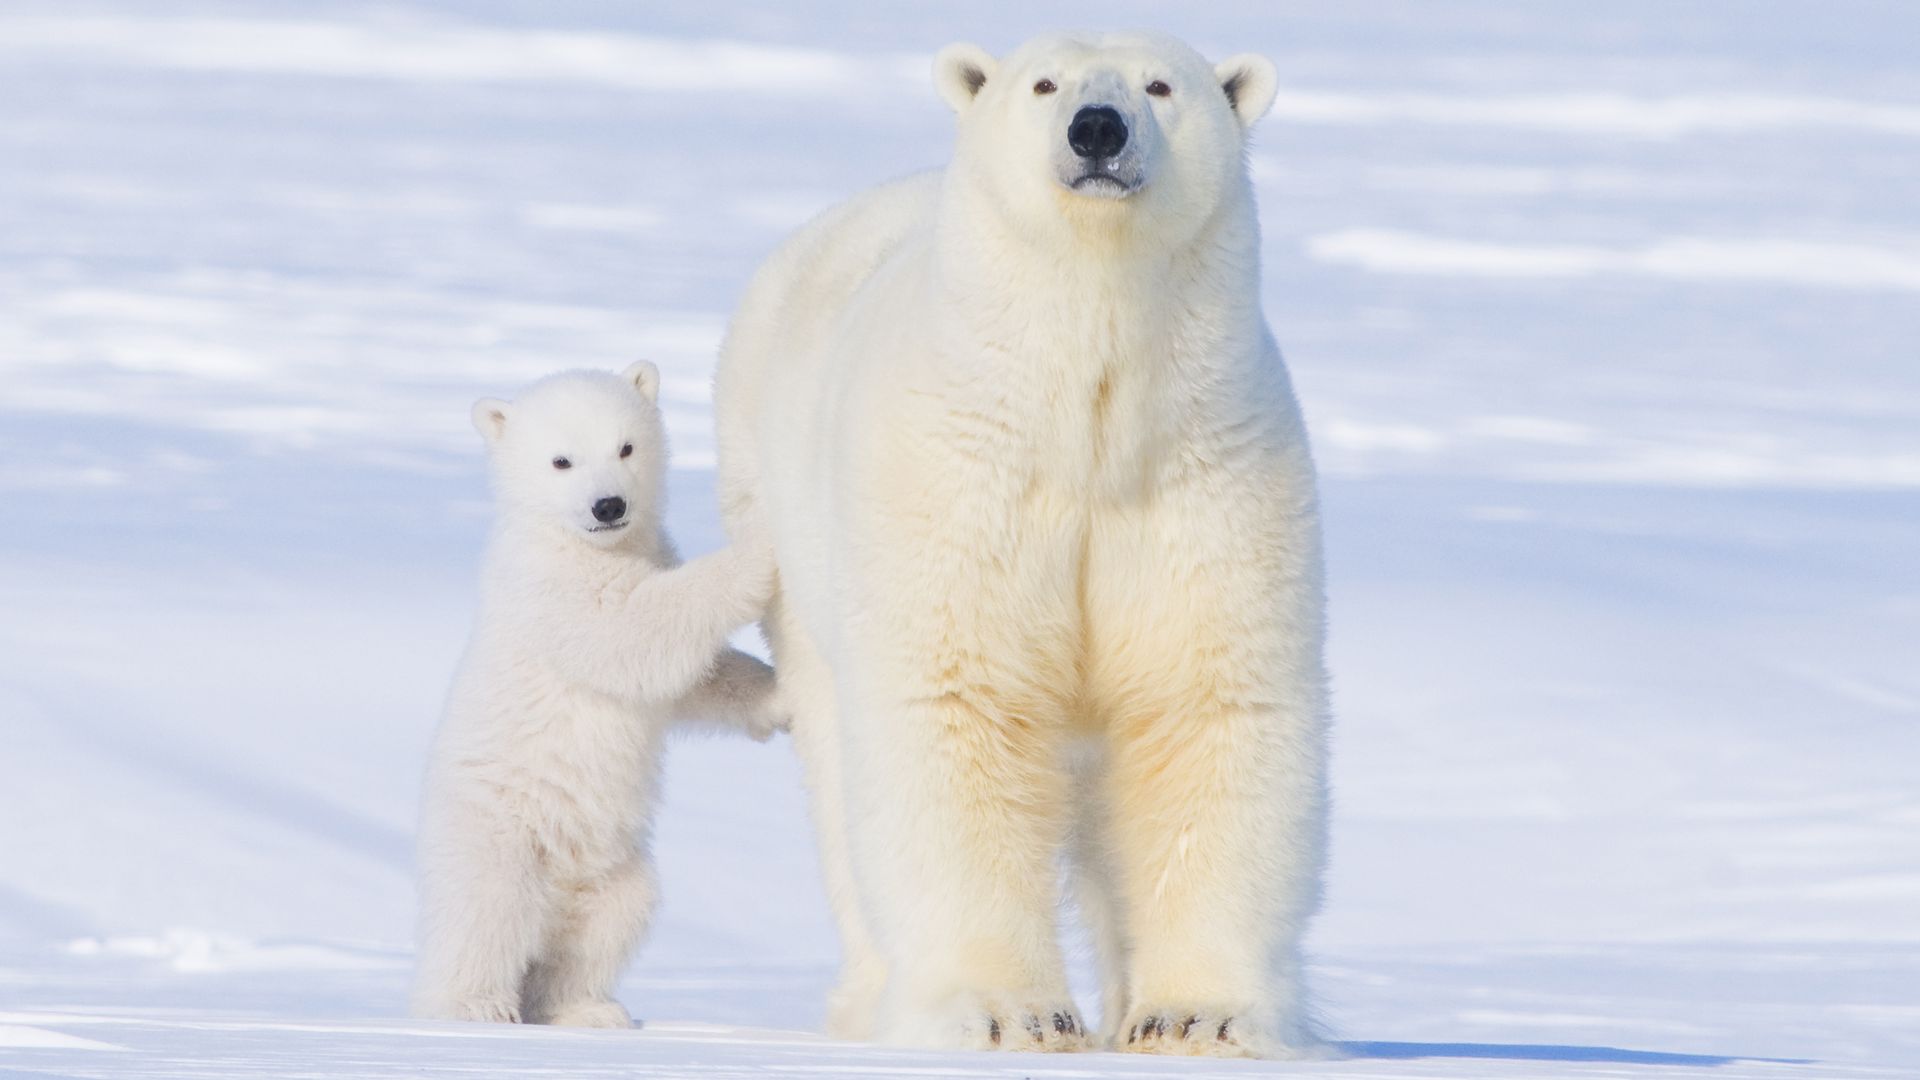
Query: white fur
x,y
536,882
1050,567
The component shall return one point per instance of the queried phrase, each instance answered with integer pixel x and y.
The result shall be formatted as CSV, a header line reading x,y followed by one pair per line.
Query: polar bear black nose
x,y
610,509
1097,132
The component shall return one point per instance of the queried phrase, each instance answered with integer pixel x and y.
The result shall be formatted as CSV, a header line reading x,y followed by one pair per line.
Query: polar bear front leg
x,y
955,808
957,788
1209,670
1217,834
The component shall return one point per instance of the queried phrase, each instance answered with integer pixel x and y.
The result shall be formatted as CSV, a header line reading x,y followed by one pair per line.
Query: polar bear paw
x,y
1192,1032
1209,1033
1000,1022
482,1010
592,1014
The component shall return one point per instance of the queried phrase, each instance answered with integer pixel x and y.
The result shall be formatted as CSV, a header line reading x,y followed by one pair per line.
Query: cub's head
x,y
1135,128
584,451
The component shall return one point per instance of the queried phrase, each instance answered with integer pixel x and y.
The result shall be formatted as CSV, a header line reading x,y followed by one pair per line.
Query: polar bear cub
x,y
536,882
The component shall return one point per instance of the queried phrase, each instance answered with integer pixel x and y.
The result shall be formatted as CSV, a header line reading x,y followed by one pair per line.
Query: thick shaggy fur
x,y
536,882
1050,566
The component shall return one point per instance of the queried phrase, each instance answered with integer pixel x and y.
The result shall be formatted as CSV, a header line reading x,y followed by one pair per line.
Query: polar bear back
x,y
801,292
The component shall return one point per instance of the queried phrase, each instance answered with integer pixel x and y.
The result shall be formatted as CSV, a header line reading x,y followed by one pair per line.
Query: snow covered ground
x,y
1607,323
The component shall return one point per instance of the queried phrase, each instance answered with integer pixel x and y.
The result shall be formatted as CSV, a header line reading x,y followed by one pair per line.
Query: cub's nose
x,y
610,509
1097,131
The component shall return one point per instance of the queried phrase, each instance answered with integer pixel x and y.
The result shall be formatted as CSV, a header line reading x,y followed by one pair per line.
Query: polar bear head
x,y
1132,128
583,451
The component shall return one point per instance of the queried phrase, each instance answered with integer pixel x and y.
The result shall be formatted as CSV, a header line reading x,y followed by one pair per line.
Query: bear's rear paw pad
x,y
1002,1022
592,1014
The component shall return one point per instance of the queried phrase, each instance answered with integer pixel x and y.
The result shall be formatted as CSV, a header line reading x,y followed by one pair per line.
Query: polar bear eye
x,y
1158,88
1044,86
562,463
627,450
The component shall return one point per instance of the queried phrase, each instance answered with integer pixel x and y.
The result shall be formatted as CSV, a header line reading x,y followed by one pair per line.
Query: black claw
x,y
1133,1034
1155,1025
1224,1024
1185,1026
993,1030
1035,1028
1060,1024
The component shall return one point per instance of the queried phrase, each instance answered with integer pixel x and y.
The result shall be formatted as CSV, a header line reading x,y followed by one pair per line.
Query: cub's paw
x,y
768,722
592,1014
997,1022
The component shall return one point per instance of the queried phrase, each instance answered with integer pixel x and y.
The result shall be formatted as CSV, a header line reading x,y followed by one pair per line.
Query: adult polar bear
x,y
1050,563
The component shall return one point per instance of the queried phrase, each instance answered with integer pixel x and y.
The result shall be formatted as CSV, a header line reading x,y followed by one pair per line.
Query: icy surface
x,y
1606,319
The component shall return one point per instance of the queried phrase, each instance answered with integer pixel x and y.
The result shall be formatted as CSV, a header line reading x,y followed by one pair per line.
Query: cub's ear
x,y
1250,82
645,378
490,418
959,71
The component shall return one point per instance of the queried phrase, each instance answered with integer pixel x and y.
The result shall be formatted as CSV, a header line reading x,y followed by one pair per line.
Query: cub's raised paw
x,y
768,723
592,1014
998,1022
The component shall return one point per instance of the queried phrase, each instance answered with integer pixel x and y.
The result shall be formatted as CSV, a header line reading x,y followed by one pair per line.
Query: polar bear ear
x,y
959,71
490,418
1250,82
645,378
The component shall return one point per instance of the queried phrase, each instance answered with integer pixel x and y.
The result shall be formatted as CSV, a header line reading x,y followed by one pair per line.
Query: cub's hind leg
x,y
596,928
484,910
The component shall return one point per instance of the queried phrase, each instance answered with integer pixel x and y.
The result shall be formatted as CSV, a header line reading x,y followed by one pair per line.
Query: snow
x,y
1603,317
1836,266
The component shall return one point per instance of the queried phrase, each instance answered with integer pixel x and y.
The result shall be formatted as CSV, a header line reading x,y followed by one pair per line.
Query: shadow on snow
x,y
1406,1051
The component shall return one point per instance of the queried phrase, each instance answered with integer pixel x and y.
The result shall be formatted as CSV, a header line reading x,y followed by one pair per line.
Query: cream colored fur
x,y
1050,570
536,882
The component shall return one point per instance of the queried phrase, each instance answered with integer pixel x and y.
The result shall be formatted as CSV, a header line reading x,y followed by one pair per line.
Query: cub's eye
x,y
627,450
562,463
1158,88
1044,86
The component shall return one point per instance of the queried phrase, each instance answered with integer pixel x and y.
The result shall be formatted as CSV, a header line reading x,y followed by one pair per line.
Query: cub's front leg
x,y
658,641
739,694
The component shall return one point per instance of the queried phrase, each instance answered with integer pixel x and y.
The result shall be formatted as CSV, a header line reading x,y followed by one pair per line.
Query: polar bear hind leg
x,y
1094,889
806,688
